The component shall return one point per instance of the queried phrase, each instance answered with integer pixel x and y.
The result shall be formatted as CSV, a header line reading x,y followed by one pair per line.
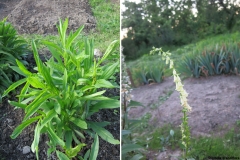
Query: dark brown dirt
x,y
34,16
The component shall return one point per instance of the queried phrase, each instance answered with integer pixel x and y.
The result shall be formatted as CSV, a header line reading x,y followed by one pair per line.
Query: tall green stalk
x,y
183,97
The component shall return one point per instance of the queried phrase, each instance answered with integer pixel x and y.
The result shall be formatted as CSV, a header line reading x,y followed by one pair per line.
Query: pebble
x,y
26,149
97,53
9,120
26,139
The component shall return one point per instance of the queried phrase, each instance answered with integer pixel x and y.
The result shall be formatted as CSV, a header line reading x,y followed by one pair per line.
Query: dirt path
x,y
215,103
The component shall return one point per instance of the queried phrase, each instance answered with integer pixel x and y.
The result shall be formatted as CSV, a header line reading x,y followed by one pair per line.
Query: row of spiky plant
x,y
216,61
146,70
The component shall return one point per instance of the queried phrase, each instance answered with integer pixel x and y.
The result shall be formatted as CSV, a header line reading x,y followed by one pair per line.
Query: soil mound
x,y
41,17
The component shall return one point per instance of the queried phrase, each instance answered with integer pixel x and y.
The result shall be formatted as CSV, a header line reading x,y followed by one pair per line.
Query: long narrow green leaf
x,y
111,48
97,98
130,147
23,68
72,37
24,91
48,79
103,133
137,157
35,143
19,129
102,83
87,155
50,115
16,104
95,94
54,137
16,69
35,82
55,51
62,156
109,71
105,104
74,151
65,79
14,85
135,103
36,104
68,138
80,123
94,148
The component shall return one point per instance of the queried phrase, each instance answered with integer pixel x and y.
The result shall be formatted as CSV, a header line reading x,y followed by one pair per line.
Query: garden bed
x,y
37,18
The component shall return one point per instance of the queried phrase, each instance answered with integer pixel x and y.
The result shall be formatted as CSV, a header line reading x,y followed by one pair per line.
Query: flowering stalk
x,y
126,90
183,97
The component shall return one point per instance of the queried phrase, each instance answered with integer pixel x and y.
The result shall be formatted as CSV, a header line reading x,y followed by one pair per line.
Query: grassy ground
x,y
168,138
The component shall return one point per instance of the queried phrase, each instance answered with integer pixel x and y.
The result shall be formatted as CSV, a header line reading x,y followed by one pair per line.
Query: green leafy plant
x,y
11,47
130,146
189,67
131,149
64,93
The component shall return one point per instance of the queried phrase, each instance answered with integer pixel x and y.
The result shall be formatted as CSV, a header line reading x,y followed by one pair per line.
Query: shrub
x,y
11,47
148,69
64,93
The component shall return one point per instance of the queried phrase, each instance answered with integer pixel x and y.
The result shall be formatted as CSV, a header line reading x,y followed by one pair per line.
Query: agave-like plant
x,y
12,47
189,66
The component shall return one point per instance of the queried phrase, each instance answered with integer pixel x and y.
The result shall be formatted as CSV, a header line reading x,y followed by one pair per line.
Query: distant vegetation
x,y
171,24
214,55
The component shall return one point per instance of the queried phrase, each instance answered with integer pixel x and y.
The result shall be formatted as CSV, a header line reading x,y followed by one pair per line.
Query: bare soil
x,y
215,103
41,17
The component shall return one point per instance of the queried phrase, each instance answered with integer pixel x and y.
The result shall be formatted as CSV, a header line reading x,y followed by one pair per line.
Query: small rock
x,y
26,149
26,139
9,121
97,53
